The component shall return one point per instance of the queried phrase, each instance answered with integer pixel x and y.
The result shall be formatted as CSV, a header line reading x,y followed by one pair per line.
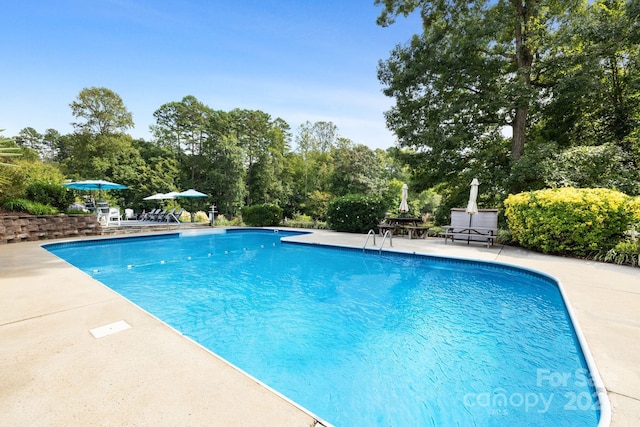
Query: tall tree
x,y
357,170
315,142
596,96
477,68
182,125
223,174
103,112
99,136
47,145
264,141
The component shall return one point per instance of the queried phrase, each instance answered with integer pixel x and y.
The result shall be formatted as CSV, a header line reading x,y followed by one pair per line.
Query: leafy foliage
x,y
49,194
6,150
606,166
557,75
263,215
316,204
102,110
25,173
634,210
355,213
33,208
626,252
568,220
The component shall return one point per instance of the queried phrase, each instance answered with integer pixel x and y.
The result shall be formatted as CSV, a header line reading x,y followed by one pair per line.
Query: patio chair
x,y
129,214
103,214
114,216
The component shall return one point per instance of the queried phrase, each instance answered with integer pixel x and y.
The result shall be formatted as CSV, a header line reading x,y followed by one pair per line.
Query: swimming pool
x,y
362,339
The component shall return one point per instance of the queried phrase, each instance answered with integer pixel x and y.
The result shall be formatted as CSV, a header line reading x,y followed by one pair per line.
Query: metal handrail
x,y
386,233
367,240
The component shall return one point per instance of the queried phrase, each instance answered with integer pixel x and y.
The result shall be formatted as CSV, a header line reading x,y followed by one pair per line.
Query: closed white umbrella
x,y
404,206
472,206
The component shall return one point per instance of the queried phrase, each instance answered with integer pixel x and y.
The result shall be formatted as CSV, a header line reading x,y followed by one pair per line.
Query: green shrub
x,y
27,206
606,166
634,210
262,215
355,213
316,205
568,220
222,220
49,194
626,252
78,212
304,221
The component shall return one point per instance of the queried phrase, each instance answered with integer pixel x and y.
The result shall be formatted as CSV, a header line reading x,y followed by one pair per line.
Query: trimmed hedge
x,y
355,213
568,220
262,215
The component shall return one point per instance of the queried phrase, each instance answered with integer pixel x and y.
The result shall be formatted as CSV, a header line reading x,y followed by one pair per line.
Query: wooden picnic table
x,y
408,225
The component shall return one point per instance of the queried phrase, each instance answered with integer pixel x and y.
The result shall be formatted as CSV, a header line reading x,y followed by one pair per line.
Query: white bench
x,y
481,227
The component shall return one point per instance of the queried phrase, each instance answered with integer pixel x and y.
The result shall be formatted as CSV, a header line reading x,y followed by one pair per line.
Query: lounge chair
x,y
174,216
159,215
149,216
166,214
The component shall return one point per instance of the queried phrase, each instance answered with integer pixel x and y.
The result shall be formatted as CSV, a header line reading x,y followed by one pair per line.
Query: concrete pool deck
x,y
54,372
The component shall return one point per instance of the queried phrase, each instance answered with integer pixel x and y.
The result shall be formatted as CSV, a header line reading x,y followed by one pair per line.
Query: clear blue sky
x,y
295,59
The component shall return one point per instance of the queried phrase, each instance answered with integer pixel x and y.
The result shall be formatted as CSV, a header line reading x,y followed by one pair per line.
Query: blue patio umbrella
x,y
95,184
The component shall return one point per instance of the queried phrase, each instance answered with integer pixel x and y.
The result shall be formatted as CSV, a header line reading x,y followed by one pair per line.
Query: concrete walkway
x,y
54,372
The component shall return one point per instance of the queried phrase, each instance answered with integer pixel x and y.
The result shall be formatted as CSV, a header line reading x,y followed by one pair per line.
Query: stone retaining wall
x,y
21,228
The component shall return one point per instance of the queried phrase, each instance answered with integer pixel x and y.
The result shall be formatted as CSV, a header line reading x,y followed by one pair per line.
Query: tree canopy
x,y
551,74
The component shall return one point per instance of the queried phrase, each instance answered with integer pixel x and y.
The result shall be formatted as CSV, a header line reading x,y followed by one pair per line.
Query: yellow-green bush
x,y
568,220
634,209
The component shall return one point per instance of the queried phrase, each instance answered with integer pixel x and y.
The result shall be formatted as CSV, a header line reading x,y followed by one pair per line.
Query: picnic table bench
x,y
401,225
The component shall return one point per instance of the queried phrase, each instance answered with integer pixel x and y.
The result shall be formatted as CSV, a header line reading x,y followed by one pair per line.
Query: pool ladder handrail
x,y
371,232
386,233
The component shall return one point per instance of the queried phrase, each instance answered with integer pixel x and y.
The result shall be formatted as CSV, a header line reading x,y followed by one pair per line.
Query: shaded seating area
x,y
479,227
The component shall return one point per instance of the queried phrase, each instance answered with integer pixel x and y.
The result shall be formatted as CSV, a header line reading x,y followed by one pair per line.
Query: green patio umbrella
x,y
190,194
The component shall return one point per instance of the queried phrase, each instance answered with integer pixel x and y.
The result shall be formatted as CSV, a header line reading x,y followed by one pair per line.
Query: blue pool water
x,y
362,338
